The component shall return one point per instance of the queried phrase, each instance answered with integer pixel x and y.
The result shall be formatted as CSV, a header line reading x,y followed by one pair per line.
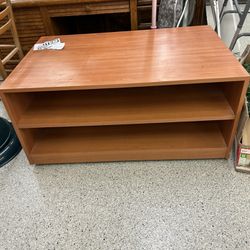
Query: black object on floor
x,y
9,143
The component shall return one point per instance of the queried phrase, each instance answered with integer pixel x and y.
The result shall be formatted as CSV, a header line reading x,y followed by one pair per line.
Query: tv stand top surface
x,y
128,59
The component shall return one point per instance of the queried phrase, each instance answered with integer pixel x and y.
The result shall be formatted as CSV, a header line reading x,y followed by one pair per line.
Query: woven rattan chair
x,y
8,51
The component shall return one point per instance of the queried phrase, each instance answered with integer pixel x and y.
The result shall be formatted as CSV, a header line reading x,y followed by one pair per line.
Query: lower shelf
x,y
131,142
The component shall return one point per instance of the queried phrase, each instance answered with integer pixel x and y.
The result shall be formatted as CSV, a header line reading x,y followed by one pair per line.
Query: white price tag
x,y
53,44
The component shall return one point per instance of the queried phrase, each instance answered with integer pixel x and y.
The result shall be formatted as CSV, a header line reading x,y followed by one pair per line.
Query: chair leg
x,y
3,71
216,15
16,41
14,32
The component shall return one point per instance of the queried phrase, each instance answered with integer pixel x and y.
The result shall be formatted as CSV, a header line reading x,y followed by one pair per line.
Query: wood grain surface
x,y
128,59
103,99
122,106
32,3
116,143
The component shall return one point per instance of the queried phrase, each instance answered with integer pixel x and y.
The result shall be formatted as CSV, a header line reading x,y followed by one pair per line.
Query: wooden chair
x,y
7,23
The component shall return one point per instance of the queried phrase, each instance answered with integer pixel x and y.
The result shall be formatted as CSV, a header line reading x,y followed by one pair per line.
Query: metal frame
x,y
216,15
242,16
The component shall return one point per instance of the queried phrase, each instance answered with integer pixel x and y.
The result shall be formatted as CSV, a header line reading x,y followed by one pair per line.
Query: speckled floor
x,y
134,205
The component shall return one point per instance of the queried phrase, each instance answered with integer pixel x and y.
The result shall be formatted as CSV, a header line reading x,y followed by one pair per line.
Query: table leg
x,y
133,14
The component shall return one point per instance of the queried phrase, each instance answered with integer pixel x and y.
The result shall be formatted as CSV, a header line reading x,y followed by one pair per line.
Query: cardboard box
x,y
243,133
245,57
243,142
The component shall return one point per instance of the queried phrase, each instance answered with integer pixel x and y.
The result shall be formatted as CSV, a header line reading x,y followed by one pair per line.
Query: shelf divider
x,y
128,142
126,106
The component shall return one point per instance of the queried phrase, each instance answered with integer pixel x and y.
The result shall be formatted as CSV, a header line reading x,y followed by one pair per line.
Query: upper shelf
x,y
125,106
128,59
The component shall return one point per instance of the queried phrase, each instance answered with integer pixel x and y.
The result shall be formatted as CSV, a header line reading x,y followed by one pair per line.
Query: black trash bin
x,y
9,143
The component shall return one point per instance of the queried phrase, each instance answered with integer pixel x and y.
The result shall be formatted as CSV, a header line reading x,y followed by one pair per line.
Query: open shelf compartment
x,y
126,142
206,102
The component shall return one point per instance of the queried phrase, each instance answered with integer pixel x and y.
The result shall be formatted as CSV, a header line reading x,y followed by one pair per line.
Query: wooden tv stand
x,y
138,95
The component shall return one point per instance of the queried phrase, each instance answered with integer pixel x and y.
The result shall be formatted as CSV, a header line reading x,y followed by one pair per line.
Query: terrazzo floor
x,y
149,205
201,204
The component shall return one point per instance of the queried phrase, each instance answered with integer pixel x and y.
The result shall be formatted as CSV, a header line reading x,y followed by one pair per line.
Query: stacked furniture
x,y
36,18
138,95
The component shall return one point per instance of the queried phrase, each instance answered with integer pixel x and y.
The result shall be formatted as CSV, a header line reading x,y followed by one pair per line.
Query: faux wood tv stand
x,y
139,95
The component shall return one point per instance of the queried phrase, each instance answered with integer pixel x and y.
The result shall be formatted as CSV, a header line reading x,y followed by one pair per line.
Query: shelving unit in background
x,y
36,18
108,98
